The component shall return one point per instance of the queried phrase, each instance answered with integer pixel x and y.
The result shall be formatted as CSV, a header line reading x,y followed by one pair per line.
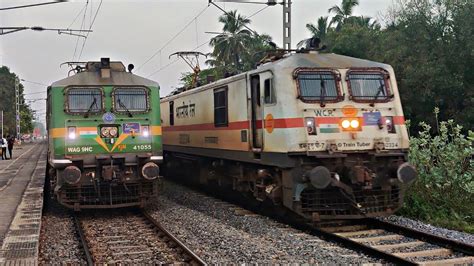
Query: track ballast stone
x,y
59,242
428,228
213,230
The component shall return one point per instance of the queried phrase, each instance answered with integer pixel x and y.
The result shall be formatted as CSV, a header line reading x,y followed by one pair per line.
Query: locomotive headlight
x,y
345,123
146,131
71,132
105,132
355,123
113,132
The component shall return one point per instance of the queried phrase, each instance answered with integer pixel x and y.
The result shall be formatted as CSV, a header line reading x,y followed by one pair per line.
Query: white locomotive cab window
x,y
317,86
84,100
130,100
220,107
368,86
269,94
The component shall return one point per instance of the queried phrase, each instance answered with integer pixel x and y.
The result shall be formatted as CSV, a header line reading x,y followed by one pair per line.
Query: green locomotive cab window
x,y
84,100
129,99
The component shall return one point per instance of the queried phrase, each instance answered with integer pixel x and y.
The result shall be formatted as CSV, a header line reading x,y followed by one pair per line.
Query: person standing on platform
x,y
10,142
4,144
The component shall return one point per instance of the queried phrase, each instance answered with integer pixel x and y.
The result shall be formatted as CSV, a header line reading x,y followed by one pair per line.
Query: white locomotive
x,y
321,134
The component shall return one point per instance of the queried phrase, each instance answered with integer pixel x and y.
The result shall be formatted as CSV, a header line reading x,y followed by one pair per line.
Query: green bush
x,y
444,191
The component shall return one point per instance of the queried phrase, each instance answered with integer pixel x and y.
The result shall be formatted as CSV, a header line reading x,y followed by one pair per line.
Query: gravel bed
x,y
215,231
439,231
59,242
117,237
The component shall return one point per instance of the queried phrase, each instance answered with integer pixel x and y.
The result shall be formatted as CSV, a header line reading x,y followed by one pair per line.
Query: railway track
x,y
398,244
131,238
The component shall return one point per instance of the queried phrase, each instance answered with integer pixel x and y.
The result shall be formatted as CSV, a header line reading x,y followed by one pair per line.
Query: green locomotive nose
x,y
105,127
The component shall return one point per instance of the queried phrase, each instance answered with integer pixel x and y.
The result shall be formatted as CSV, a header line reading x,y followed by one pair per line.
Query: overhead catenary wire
x,y
202,44
32,5
173,38
176,60
77,16
90,28
82,25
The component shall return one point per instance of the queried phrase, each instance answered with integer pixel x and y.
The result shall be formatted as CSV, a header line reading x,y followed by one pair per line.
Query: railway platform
x,y
21,202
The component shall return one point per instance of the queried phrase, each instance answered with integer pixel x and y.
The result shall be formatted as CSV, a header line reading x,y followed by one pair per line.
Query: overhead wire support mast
x,y
7,30
32,5
286,16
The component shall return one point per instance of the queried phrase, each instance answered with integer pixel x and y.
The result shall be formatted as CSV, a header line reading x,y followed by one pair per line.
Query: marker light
x,y
346,123
355,123
71,132
310,126
146,131
389,124
113,132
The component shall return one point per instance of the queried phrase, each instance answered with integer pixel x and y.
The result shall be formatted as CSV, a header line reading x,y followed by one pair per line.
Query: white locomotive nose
x,y
406,173
150,171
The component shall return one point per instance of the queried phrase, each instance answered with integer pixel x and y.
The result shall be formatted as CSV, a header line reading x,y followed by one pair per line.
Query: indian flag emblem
x,y
88,133
328,128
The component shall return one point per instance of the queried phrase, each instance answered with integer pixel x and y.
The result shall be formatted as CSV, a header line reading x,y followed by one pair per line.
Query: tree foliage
x,y
7,104
430,44
235,50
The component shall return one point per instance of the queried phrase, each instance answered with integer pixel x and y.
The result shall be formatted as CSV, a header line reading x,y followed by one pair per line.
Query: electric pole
x,y
286,24
286,16
17,107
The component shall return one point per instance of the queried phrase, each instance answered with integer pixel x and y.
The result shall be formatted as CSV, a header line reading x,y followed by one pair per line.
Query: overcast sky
x,y
132,31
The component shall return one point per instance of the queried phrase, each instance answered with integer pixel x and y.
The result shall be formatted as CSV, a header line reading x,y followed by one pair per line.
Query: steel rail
x,y
345,241
424,236
83,241
372,223
195,258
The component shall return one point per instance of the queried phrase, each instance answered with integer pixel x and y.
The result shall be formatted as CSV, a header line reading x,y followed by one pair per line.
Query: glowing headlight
x,y
71,132
355,123
146,131
346,123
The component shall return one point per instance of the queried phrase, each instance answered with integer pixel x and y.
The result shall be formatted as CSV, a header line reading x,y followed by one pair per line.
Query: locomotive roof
x,y
293,61
324,60
92,78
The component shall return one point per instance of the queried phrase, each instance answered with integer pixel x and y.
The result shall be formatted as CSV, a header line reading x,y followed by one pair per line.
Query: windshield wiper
x,y
379,91
94,102
124,107
322,93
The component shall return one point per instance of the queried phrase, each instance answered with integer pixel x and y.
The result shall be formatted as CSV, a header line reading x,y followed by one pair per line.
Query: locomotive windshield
x,y
130,100
368,86
317,86
84,100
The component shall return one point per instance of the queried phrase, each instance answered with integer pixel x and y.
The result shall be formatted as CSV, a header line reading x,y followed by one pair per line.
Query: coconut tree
x,y
342,12
320,29
234,41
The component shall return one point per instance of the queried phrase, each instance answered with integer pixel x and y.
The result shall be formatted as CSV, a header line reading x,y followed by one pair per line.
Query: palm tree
x,y
342,12
231,45
361,21
320,30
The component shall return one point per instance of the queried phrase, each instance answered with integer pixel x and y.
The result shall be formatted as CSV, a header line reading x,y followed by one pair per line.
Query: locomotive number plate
x,y
143,147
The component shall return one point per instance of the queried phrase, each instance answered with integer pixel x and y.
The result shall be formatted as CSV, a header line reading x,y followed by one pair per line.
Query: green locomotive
x,y
105,145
